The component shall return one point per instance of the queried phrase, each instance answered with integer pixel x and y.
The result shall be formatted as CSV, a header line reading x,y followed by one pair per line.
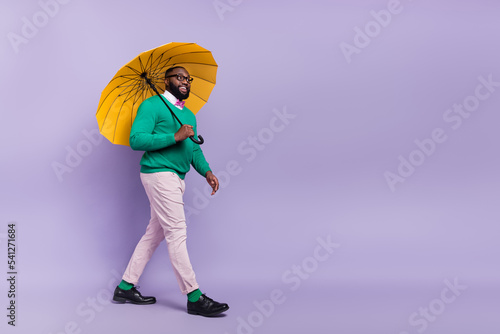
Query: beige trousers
x,y
164,190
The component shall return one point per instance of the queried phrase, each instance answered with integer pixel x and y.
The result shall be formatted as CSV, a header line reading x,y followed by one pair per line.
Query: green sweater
x,y
153,131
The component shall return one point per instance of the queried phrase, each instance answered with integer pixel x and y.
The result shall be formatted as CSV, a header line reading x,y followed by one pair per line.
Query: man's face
x,y
179,88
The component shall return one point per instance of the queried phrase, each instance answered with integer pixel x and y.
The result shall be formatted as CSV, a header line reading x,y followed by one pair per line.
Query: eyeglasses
x,y
181,78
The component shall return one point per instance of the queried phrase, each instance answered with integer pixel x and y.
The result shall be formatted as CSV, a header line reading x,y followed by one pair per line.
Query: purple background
x,y
322,175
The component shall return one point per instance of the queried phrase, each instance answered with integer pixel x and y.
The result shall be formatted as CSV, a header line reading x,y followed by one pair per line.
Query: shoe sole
x,y
121,300
207,315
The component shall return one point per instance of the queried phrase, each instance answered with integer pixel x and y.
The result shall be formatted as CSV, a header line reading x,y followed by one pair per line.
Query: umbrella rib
x,y
133,77
133,69
199,97
178,46
189,53
104,100
144,94
107,114
123,87
137,96
186,53
117,87
198,63
149,61
162,64
141,65
131,85
154,71
197,77
121,107
138,87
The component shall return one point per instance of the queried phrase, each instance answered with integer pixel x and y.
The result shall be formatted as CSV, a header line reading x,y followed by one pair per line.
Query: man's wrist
x,y
208,173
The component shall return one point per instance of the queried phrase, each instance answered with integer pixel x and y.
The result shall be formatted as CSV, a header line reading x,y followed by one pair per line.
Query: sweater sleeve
x,y
142,137
199,162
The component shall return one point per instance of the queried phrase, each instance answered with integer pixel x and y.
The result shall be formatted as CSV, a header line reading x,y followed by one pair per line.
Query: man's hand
x,y
212,181
184,132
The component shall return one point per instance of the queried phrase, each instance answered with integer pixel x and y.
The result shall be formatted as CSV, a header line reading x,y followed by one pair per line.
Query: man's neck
x,y
171,98
167,92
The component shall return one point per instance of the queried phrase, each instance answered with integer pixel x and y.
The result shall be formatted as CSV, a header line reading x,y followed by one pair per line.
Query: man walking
x,y
167,158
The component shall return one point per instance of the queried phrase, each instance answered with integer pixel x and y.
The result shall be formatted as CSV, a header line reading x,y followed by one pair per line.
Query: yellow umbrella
x,y
142,77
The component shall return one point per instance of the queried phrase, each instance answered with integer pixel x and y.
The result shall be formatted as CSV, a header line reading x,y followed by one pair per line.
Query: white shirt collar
x,y
170,98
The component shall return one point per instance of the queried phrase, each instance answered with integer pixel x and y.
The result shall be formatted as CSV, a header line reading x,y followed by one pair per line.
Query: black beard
x,y
177,93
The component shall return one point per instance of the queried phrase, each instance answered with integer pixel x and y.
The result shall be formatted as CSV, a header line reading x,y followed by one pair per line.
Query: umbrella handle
x,y
199,142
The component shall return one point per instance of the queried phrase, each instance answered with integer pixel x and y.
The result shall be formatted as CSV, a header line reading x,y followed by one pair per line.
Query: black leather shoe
x,y
206,307
132,296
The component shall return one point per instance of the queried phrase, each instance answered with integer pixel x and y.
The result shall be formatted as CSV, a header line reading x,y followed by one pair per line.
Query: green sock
x,y
125,285
193,296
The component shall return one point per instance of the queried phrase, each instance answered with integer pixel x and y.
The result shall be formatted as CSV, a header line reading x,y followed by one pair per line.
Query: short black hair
x,y
171,69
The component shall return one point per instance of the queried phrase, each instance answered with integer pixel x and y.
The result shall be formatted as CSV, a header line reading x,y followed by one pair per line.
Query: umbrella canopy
x,y
129,87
